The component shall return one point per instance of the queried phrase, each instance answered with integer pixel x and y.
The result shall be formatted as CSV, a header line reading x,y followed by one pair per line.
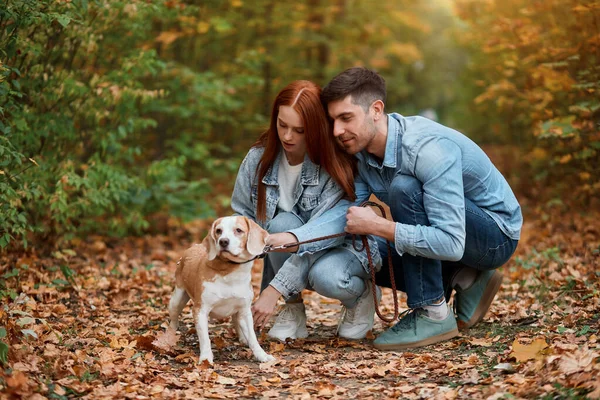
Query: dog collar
x,y
263,255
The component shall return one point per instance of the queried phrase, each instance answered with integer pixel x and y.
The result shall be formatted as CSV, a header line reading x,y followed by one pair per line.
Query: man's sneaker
x,y
357,321
416,329
290,322
473,303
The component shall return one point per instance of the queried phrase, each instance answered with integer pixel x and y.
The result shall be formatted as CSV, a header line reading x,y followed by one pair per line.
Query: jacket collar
x,y
390,157
308,176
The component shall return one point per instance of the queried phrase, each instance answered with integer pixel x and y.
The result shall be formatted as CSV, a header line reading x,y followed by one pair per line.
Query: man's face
x,y
352,127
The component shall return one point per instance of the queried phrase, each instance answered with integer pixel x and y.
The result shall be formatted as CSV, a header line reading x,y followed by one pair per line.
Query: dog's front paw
x,y
265,358
206,357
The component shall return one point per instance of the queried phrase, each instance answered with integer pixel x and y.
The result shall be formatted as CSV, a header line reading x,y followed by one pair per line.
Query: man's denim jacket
x,y
451,168
315,193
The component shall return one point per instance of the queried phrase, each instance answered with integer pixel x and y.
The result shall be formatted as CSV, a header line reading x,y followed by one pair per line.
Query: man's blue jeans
x,y
425,280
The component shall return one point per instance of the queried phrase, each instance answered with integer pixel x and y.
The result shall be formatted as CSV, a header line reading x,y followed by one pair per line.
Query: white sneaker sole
x,y
301,333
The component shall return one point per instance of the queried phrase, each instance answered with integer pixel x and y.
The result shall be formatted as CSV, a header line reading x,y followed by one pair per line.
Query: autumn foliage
x,y
539,70
122,125
90,321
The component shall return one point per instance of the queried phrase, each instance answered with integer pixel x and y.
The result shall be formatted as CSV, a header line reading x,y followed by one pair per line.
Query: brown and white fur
x,y
217,286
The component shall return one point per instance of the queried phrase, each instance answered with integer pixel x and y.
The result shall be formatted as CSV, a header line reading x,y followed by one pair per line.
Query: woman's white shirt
x,y
288,179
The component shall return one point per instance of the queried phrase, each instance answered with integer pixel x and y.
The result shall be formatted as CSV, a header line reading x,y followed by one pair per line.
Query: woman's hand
x,y
277,239
264,307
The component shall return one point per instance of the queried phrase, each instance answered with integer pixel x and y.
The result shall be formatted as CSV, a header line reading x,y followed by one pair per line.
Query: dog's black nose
x,y
223,242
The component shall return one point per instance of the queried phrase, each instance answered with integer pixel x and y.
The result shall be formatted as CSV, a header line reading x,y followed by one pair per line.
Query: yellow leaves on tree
x,y
553,80
410,20
407,52
539,60
167,37
495,91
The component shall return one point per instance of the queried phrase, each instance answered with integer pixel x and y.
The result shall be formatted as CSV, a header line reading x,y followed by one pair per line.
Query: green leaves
x,y
3,349
79,96
63,20
560,127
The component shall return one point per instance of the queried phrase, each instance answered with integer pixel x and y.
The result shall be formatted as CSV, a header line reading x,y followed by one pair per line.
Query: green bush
x,y
87,142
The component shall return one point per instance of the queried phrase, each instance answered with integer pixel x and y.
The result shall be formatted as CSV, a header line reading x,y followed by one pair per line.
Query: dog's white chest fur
x,y
228,294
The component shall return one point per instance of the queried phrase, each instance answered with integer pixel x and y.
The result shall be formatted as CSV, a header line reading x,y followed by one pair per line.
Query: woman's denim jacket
x,y
315,193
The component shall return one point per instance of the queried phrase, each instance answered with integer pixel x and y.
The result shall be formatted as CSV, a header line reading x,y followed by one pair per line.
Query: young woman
x,y
291,175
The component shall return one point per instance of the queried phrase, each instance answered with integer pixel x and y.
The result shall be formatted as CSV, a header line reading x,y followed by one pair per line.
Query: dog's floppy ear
x,y
257,238
210,243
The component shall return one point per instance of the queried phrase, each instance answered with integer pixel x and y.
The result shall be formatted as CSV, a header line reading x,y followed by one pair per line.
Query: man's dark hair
x,y
365,86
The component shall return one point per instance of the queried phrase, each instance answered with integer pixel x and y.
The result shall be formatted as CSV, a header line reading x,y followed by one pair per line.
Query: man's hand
x,y
365,221
277,239
264,307
360,220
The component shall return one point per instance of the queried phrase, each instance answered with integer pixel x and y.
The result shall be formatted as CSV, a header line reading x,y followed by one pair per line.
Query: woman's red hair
x,y
303,97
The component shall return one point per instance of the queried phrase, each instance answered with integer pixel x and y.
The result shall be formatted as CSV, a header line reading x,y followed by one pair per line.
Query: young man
x,y
455,218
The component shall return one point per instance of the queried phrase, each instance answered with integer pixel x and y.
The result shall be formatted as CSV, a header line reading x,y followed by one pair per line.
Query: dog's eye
x,y
238,230
218,231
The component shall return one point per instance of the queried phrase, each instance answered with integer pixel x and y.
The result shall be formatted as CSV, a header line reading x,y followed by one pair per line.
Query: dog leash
x,y
365,246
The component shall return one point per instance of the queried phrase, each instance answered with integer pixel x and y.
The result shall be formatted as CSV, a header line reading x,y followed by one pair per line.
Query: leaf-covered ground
x,y
84,320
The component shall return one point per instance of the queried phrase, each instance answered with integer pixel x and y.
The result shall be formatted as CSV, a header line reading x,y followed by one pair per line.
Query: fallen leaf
x,y
223,380
325,389
29,332
187,357
25,321
595,394
144,343
192,376
473,359
271,393
59,390
251,390
578,361
156,389
481,342
406,388
517,379
204,365
525,352
276,347
218,343
98,246
167,340
86,337
17,380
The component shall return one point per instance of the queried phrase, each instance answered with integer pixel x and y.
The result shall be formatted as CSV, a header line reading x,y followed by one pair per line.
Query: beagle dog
x,y
216,275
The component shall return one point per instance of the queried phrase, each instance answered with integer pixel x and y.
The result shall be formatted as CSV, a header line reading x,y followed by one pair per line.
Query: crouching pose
x,y
292,175
455,217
